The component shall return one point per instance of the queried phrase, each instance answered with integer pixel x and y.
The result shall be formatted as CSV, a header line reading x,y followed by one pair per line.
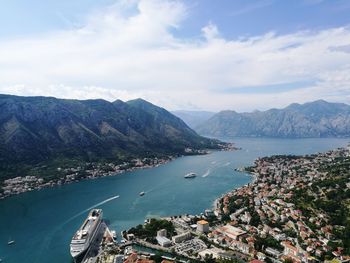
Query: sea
x,y
43,222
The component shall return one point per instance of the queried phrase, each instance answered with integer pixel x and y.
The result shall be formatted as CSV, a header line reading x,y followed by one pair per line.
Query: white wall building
x,y
182,237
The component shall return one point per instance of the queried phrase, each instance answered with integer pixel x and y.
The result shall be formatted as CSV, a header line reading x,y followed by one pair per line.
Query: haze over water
x,y
43,222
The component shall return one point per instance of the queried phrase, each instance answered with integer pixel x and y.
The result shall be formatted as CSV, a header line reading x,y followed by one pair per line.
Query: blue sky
x,y
201,54
235,18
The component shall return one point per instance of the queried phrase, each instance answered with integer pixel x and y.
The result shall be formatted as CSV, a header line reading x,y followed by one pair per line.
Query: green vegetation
x,y
149,230
157,258
210,259
40,134
269,241
288,260
255,221
332,197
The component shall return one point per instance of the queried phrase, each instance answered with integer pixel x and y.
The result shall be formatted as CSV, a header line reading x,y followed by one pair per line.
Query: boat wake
x,y
91,207
206,173
101,203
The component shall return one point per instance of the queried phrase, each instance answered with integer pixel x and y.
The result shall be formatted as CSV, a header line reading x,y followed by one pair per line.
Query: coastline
x,y
277,200
117,211
23,184
18,181
232,192
277,214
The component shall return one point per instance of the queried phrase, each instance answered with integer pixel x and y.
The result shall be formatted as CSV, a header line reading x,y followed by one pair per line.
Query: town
x,y
27,183
90,170
295,210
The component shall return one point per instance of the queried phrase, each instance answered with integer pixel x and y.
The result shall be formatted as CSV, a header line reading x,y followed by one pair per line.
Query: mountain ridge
x,y
313,119
36,130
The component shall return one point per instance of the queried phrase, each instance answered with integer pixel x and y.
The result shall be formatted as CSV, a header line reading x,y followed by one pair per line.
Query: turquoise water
x,y
43,222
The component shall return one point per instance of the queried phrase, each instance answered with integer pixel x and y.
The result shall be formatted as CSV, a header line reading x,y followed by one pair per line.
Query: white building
x,y
273,252
163,241
182,237
161,233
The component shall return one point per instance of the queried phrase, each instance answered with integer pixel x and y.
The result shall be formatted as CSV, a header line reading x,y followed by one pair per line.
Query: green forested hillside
x,y
44,131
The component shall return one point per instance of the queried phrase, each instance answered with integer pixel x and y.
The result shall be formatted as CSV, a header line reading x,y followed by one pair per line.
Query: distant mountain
x,y
313,119
38,130
193,118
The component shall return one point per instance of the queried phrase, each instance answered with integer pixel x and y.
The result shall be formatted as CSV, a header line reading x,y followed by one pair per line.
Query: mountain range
x,y
313,119
38,130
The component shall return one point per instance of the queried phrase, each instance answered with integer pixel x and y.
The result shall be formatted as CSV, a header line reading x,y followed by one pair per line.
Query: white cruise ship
x,y
86,233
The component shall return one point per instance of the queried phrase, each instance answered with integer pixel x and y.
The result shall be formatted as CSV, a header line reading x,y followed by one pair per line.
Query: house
x,y
273,252
291,251
231,232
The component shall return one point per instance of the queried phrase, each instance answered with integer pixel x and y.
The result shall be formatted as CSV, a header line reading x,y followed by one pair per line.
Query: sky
x,y
241,55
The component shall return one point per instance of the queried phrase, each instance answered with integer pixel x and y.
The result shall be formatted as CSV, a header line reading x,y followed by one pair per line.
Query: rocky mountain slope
x,y
37,130
314,119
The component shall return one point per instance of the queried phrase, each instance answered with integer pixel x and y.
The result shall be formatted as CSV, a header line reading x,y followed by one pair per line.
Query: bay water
x,y
43,222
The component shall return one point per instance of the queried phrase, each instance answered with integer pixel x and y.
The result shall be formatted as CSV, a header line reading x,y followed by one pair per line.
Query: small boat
x,y
142,194
10,242
190,175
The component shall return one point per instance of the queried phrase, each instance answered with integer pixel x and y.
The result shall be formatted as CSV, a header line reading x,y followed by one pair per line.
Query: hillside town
x,y
284,213
27,183
295,210
90,170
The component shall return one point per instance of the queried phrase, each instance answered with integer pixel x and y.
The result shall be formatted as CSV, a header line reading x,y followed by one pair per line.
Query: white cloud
x,y
210,32
128,50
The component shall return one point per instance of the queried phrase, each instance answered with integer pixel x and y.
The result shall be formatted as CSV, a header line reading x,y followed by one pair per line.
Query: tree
x,y
288,260
209,258
157,258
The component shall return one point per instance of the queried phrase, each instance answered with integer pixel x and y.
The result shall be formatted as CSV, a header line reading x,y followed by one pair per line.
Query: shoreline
x,y
277,216
253,180
274,200
60,182
23,184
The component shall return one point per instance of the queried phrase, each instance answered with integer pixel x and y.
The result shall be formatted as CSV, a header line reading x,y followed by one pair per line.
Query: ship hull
x,y
85,235
78,258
